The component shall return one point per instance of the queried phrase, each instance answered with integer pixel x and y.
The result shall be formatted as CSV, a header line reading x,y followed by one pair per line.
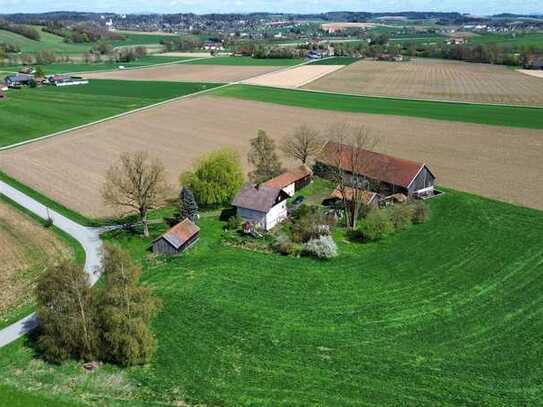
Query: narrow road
x,y
89,238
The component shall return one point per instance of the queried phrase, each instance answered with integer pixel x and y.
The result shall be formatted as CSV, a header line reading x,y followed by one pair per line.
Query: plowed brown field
x,y
435,79
499,162
25,249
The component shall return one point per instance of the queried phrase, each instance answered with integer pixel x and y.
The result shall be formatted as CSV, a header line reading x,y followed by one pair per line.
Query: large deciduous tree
x,y
303,144
216,178
126,309
263,158
349,143
67,315
136,184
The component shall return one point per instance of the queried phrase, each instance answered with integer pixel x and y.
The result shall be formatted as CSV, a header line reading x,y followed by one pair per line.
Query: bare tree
x,y
136,184
303,144
347,157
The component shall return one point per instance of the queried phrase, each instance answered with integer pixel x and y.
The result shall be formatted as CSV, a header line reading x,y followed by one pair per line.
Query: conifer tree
x,y
188,205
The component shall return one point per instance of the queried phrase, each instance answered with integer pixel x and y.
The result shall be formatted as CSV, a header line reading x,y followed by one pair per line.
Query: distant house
x,y
292,180
382,173
177,239
18,80
390,57
65,80
261,205
456,41
533,62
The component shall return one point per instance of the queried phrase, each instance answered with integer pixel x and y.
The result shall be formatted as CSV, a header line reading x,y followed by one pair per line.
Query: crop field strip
x,y
443,313
31,113
435,79
498,162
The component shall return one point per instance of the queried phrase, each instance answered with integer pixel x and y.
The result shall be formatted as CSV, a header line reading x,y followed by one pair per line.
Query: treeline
x,y
24,30
6,49
82,33
182,43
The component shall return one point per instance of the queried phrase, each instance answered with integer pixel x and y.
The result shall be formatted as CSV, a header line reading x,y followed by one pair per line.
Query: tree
x,y
66,312
303,144
217,177
189,207
263,158
350,142
136,184
40,73
376,225
126,309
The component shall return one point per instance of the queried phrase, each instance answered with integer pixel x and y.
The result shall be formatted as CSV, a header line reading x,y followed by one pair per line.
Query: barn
x,y
380,173
177,239
292,180
261,205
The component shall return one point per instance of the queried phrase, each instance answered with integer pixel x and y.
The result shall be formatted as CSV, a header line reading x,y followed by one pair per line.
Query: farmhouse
x,y
177,239
261,205
380,172
292,180
18,80
65,80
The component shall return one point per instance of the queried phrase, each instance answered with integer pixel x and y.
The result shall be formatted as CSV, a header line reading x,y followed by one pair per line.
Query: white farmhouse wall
x,y
276,215
290,189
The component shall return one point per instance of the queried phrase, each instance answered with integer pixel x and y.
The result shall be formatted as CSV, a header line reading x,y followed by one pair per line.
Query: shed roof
x,y
259,197
377,166
180,233
289,177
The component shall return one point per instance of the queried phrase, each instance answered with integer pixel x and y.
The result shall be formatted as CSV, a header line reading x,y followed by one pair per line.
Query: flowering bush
x,y
323,247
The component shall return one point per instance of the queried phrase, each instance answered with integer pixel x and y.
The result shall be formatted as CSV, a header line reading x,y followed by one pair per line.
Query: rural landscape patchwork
x,y
272,208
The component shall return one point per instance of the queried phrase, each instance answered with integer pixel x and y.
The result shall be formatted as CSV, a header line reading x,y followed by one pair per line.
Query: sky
x,y
476,7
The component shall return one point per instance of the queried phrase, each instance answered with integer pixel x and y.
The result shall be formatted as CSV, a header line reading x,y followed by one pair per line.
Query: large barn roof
x,y
180,233
377,166
289,177
258,197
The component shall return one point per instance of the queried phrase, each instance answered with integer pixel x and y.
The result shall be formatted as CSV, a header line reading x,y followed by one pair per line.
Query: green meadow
x,y
462,112
444,313
31,113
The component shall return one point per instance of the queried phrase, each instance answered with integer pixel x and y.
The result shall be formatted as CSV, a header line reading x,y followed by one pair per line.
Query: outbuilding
x,y
177,239
292,180
261,205
381,173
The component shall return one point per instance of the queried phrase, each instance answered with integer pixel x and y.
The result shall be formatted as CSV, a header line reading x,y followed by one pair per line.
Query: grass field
x,y
26,248
445,313
47,41
335,61
510,39
248,61
435,79
461,112
31,113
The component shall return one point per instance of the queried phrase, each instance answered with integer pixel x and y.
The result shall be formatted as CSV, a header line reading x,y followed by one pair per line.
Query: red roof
x,y
377,166
289,177
181,233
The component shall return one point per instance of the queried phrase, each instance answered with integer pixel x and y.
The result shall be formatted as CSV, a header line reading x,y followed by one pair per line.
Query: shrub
x,y
401,216
234,222
376,225
420,212
323,248
310,224
285,246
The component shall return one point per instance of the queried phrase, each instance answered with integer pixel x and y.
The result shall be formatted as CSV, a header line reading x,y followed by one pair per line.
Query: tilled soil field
x,y
295,77
435,79
25,249
498,162
186,73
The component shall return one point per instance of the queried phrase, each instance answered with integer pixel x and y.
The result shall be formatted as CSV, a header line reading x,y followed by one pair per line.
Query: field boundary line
x,y
117,116
140,109
139,67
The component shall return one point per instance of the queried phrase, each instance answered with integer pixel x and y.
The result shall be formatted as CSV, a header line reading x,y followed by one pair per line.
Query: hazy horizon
x,y
275,6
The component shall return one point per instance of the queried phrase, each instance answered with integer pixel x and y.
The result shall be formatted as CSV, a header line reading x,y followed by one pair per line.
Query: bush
x,y
401,216
234,222
376,225
420,212
285,246
323,248
310,223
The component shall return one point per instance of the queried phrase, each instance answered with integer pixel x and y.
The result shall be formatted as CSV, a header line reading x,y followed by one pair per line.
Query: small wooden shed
x,y
177,239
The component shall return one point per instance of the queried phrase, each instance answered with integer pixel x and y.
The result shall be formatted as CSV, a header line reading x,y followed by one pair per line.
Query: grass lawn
x,y
444,313
30,113
244,61
133,39
510,39
462,112
14,398
48,41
